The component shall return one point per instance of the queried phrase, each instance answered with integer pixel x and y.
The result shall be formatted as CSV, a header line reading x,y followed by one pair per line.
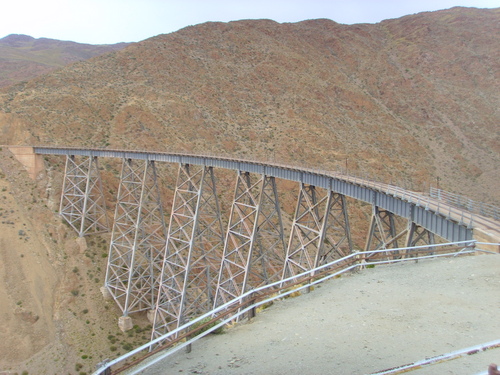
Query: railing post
x,y
252,312
107,370
360,260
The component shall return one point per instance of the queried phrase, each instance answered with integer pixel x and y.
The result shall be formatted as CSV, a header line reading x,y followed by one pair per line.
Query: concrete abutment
x,y
31,161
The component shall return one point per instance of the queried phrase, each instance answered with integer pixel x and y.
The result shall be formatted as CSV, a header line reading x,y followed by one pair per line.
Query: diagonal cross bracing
x,y
269,248
338,243
383,233
193,253
82,200
254,245
418,236
138,239
320,231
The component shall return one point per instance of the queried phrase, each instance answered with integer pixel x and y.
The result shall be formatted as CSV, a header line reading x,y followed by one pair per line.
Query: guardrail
x,y
470,205
462,216
442,358
247,303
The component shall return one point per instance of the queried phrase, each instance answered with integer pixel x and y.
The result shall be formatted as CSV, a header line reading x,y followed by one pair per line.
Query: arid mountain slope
x,y
410,99
23,57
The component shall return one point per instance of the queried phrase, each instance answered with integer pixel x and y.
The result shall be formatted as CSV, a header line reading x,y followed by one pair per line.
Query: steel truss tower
x,y
138,239
418,235
383,234
193,252
82,200
254,245
338,242
320,231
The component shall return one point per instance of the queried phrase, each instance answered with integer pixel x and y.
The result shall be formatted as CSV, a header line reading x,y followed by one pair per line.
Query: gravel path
x,y
364,322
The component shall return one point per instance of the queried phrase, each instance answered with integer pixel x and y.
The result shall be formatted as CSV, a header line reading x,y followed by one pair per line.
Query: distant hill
x,y
23,57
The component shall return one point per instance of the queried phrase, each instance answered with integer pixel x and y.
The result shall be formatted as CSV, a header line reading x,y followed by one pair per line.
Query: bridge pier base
x,y
125,323
151,316
105,293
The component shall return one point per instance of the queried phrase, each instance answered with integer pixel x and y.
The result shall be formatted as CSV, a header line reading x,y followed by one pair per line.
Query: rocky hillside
x,y
23,57
409,100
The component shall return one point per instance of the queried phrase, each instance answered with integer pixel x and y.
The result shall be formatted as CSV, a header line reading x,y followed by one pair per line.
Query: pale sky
x,y
114,21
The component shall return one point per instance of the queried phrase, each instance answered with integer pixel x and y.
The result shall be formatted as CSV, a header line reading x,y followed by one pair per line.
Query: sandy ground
x,y
364,322
25,305
53,317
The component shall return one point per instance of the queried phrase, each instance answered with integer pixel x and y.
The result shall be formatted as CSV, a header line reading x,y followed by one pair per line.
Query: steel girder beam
x,y
319,231
138,239
357,189
193,252
254,245
361,190
82,200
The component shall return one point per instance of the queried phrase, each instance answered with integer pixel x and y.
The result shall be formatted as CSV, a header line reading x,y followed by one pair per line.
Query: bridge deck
x,y
446,221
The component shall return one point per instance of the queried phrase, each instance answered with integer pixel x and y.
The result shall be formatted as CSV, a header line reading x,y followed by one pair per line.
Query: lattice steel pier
x,y
137,242
82,200
193,250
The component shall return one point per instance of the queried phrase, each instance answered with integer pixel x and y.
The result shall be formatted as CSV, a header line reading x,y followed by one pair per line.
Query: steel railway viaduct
x,y
195,263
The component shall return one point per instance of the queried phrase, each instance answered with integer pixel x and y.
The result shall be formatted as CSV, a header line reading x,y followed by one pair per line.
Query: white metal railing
x,y
440,207
282,289
441,358
441,204
470,205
